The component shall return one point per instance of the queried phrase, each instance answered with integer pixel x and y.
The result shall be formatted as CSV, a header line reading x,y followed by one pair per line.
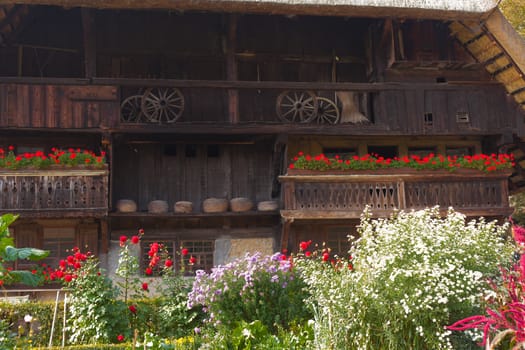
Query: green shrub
x,y
42,313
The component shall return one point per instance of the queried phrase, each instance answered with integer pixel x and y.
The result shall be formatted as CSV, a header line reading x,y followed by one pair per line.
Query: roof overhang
x,y
436,9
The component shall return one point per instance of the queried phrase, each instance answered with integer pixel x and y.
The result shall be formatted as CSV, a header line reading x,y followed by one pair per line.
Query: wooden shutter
x,y
27,235
87,237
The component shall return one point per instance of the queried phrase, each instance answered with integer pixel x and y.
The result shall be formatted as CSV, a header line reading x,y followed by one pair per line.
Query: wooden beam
x,y
231,68
90,43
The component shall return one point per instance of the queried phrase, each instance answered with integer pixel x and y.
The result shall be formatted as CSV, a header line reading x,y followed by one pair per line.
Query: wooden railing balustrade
x,y
55,192
346,196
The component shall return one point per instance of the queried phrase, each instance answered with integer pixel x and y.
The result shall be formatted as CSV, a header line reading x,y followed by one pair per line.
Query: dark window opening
x,y
213,151
170,150
383,151
191,151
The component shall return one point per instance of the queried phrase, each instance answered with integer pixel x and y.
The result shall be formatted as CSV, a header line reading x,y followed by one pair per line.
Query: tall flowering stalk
x,y
482,162
505,315
128,266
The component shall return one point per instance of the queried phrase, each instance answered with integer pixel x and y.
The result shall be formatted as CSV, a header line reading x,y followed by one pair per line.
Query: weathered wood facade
x,y
190,105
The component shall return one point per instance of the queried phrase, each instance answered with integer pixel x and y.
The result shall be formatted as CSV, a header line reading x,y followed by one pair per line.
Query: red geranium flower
x,y
168,263
133,309
135,239
144,286
184,251
120,337
123,239
326,256
192,260
149,271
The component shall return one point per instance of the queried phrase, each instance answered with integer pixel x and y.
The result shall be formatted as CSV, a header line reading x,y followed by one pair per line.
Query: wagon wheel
x,y
296,106
131,109
162,104
327,111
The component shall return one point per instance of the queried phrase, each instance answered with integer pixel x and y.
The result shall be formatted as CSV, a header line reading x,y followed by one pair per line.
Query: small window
x,y
191,151
460,151
170,150
383,151
202,251
462,118
421,151
213,151
344,153
428,120
60,242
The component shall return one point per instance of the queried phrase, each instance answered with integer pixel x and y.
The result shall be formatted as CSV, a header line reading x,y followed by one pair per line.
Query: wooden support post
x,y
285,233
104,236
231,68
90,43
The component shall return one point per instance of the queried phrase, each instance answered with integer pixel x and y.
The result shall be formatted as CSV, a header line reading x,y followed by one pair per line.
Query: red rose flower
x,y
307,254
149,271
144,286
192,260
133,309
60,273
184,251
168,263
68,278
120,337
305,244
135,239
326,256
123,239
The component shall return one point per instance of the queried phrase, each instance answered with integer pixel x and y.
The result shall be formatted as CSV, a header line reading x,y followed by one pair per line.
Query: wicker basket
x,y
158,207
241,204
183,207
126,206
268,206
215,205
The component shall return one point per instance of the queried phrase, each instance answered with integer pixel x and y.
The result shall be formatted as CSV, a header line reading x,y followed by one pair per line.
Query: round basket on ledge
x,y
267,206
215,205
184,207
158,207
126,206
241,204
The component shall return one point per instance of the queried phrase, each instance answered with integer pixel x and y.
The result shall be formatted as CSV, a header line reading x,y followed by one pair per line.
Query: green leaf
x,y
5,221
25,277
33,254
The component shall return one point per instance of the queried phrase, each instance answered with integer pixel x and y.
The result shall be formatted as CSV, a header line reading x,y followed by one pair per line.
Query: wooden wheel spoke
x,y
296,106
163,104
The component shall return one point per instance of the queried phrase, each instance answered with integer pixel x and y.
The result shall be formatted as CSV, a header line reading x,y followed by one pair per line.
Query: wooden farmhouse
x,y
192,100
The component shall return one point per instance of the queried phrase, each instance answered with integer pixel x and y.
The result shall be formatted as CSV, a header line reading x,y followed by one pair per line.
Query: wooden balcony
x,y
54,192
345,196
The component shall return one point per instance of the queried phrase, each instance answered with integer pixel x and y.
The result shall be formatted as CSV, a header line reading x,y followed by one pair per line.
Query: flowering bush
x,y
410,275
255,287
93,306
505,318
480,162
40,160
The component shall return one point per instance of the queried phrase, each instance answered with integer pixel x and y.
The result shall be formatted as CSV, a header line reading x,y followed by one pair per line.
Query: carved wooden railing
x,y
346,195
55,192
